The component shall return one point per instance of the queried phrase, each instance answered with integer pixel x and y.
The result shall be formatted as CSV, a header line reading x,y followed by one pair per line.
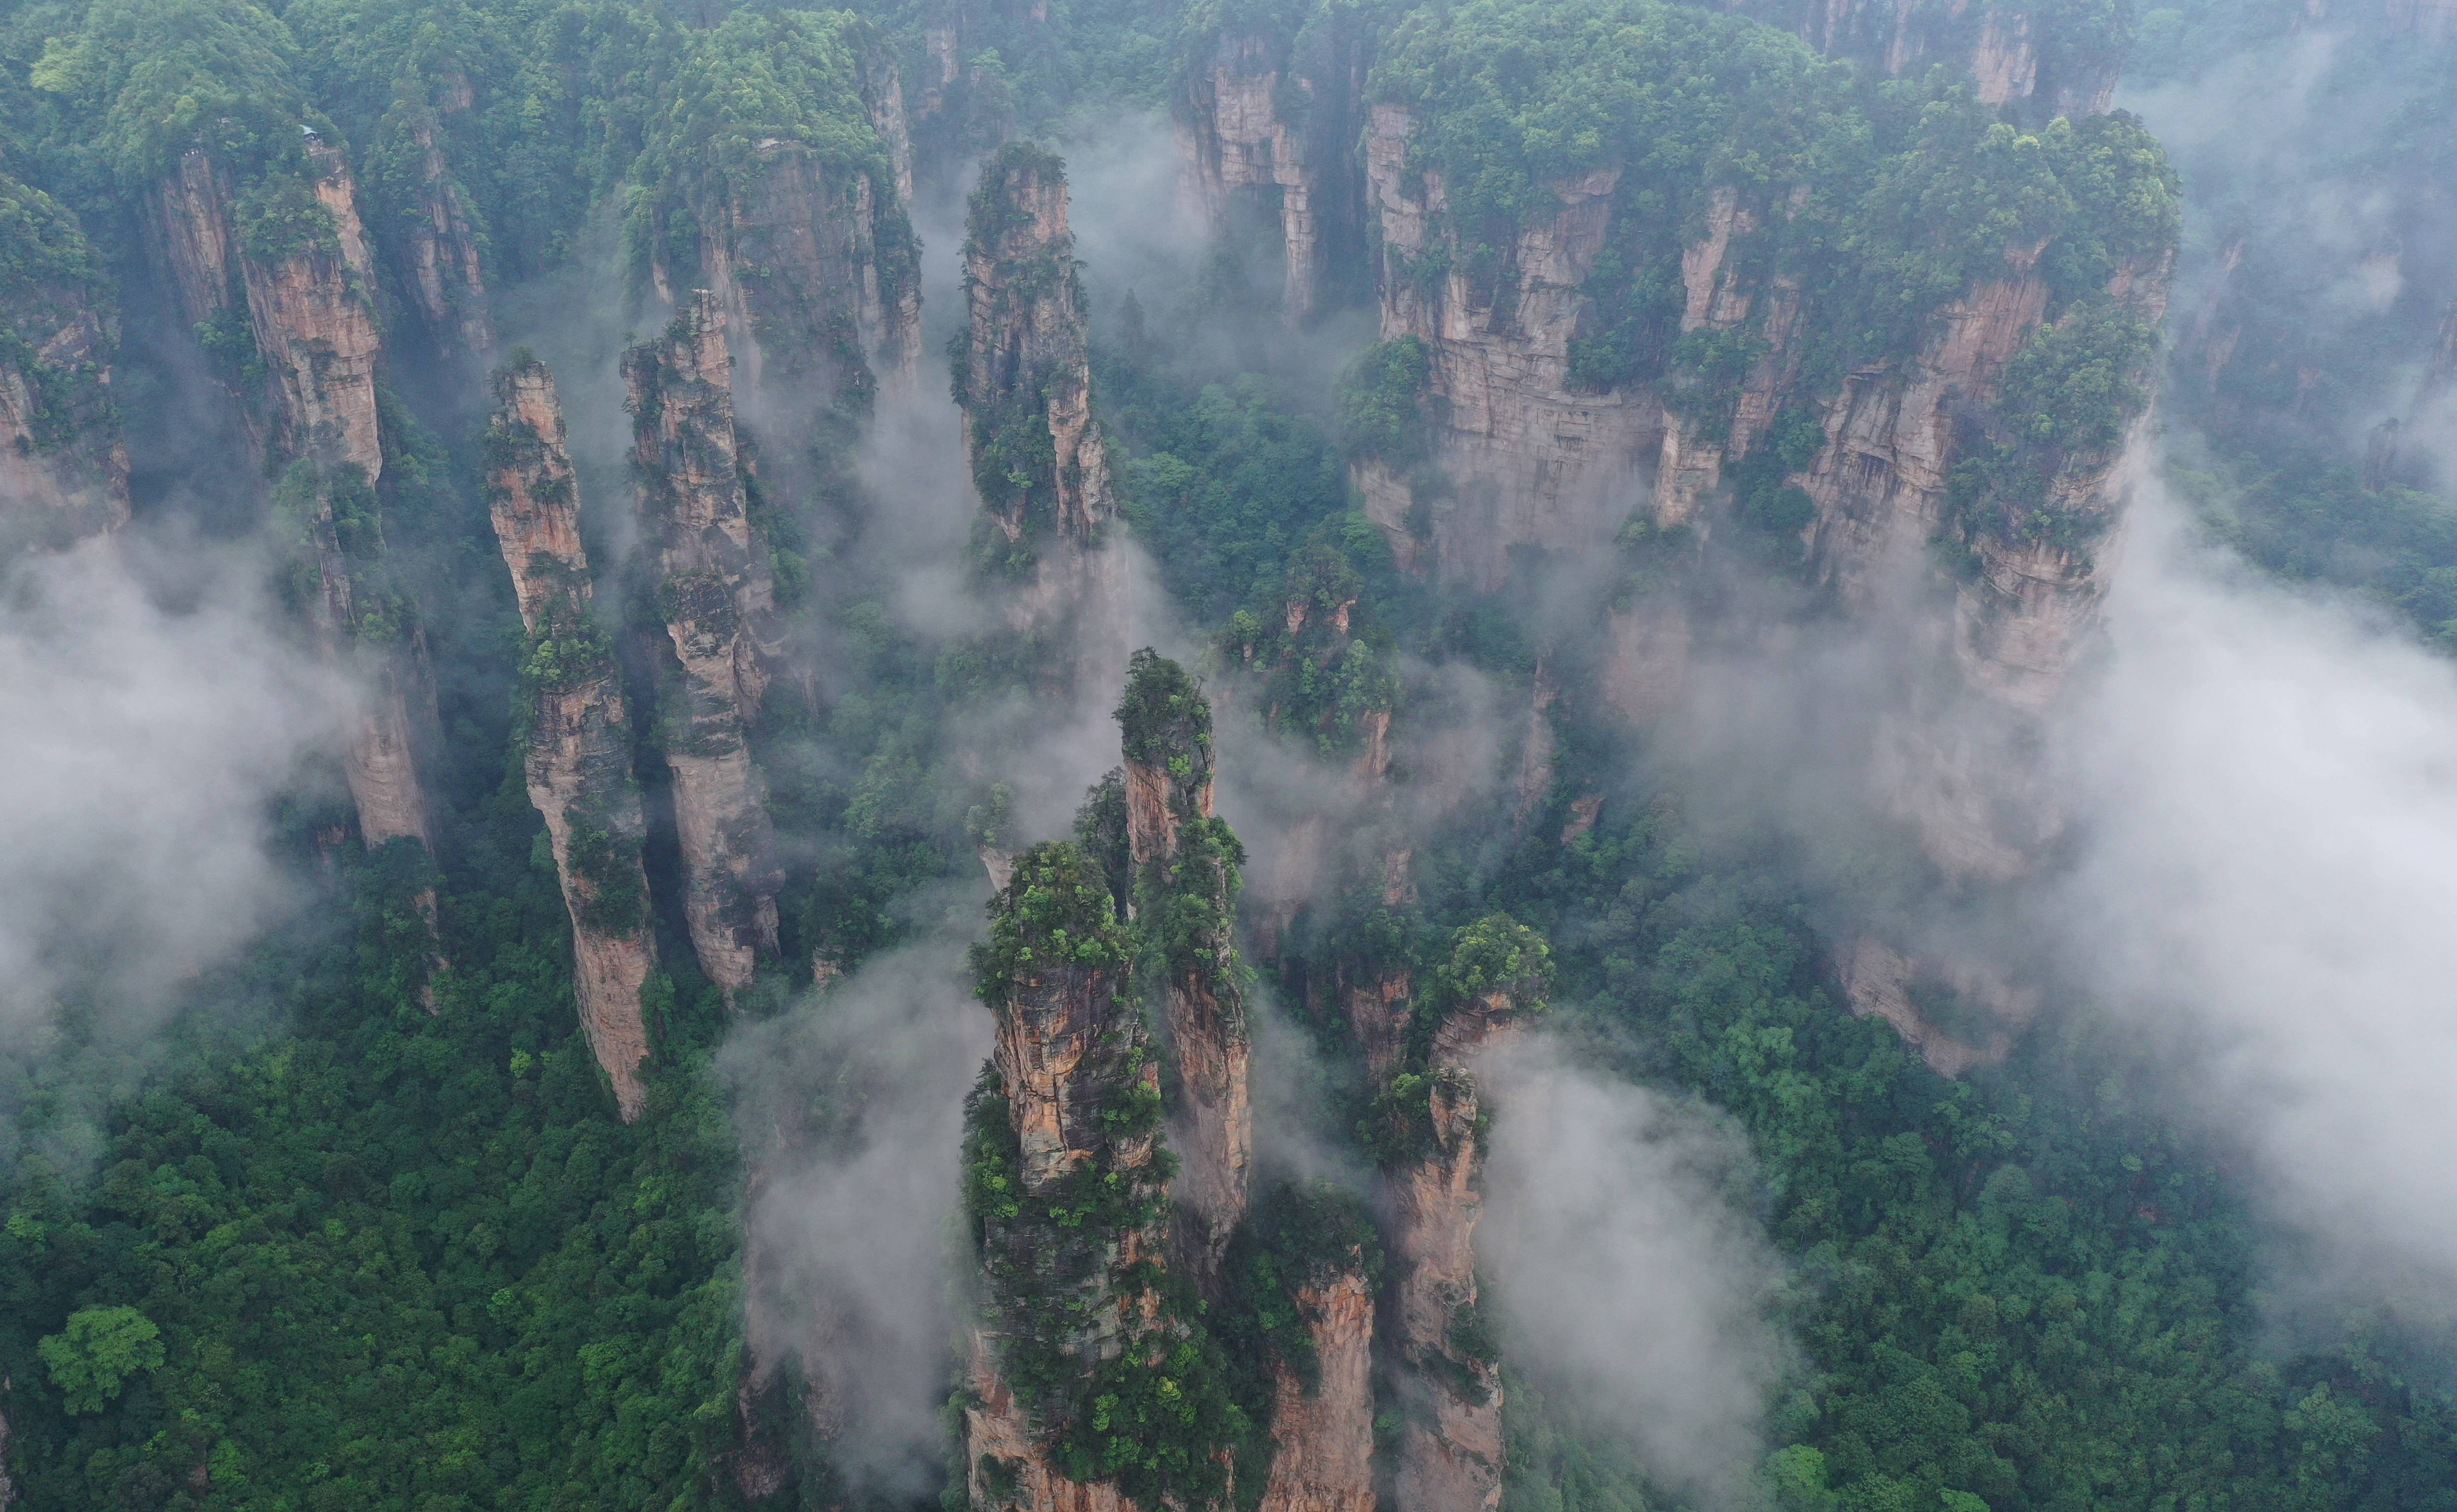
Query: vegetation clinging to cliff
x,y
1885,199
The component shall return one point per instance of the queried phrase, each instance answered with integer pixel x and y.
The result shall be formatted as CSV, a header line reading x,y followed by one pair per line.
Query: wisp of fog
x,y
140,746
2267,780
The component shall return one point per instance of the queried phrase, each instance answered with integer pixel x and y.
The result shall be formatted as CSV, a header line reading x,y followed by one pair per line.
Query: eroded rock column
x,y
304,307
1066,1121
717,594
1024,381
1185,866
1450,1451
579,758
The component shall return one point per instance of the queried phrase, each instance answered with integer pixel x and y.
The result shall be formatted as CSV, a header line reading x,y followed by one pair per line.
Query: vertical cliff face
x,y
63,468
1531,459
1751,415
1716,295
1431,1119
1068,1118
302,292
822,276
447,283
1322,1431
1267,132
1312,1251
579,759
1024,379
717,594
296,297
2034,544
883,96
1186,882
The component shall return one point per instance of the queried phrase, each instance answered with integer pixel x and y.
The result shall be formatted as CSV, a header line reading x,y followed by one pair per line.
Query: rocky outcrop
x,y
1185,866
447,283
1068,1114
1025,366
883,96
819,276
63,467
1523,456
1322,1430
1266,133
1959,764
717,593
1024,381
1956,1013
1009,1465
306,303
1716,296
301,306
1450,1451
579,756
1530,459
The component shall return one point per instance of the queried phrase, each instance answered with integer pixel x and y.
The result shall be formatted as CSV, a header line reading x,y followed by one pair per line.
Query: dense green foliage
x,y
394,1257
1908,193
1107,1350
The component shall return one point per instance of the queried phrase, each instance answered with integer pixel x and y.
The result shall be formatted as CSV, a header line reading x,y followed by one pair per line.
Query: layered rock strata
x,y
1531,460
1185,866
1322,1430
579,757
1069,1110
716,592
1024,381
304,311
1267,134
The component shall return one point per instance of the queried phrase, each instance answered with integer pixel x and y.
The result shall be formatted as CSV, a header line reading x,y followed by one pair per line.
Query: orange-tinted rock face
x,y
1080,1088
719,600
314,331
579,760
1322,1435
1007,1468
1059,1057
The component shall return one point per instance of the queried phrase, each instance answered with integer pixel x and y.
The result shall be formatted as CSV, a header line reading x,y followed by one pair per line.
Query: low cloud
x,y
2266,884
1626,1276
854,1106
145,727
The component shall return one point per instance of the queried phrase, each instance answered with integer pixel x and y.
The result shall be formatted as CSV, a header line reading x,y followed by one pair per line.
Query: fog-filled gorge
x,y
1579,755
